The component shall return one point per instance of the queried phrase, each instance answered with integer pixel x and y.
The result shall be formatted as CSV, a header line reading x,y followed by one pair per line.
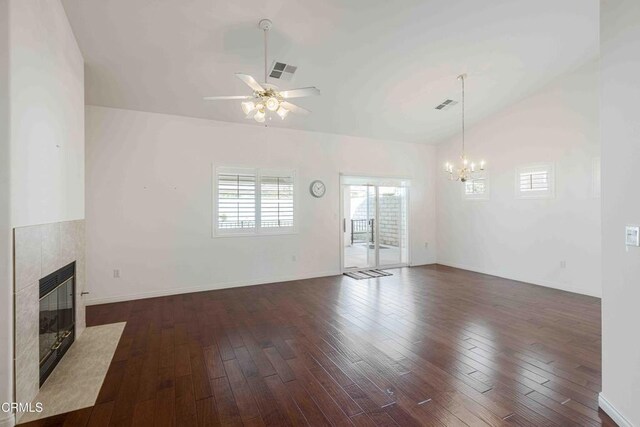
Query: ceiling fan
x,y
266,97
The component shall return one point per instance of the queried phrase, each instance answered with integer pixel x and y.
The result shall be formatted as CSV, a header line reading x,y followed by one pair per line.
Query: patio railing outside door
x,y
362,230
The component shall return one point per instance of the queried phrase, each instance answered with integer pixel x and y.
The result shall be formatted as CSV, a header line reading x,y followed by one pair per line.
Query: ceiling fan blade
x,y
250,81
218,98
295,109
299,93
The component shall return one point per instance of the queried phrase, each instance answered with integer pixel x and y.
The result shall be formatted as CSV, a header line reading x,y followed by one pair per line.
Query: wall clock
x,y
317,188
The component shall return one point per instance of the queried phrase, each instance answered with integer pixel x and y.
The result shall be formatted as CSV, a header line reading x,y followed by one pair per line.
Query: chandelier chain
x,y
463,148
467,169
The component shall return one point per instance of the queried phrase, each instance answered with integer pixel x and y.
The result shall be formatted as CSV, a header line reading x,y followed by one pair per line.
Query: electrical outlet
x,y
426,245
294,258
116,274
563,264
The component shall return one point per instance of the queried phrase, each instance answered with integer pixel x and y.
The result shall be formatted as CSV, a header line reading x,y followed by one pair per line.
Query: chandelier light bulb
x,y
482,165
282,112
259,116
248,107
272,104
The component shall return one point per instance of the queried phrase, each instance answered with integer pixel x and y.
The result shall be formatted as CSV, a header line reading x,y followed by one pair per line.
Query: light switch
x,y
632,236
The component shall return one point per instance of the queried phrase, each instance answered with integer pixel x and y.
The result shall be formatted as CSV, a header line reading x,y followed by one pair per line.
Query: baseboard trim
x,y
8,420
616,416
211,287
533,281
422,264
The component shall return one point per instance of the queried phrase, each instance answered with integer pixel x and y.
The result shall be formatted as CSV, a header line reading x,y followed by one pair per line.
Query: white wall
x,y
620,50
47,115
6,286
41,139
149,201
527,239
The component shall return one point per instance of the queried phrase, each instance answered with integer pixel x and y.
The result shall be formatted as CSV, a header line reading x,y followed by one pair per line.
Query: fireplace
x,y
57,317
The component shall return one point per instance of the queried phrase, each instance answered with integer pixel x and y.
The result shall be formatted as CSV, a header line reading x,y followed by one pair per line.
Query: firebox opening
x,y
57,317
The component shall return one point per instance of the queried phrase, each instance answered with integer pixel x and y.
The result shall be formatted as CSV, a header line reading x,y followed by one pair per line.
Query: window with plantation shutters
x,y
535,181
253,201
476,188
276,201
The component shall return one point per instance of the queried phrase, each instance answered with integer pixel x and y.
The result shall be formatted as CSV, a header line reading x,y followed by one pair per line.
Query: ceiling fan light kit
x,y
248,106
282,112
266,97
466,169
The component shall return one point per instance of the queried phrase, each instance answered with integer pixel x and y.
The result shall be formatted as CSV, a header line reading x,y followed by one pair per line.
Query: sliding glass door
x,y
374,224
359,221
392,230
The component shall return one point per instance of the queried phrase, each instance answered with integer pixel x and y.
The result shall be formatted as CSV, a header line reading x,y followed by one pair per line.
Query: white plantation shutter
x,y
535,181
276,201
477,188
253,201
236,201
474,186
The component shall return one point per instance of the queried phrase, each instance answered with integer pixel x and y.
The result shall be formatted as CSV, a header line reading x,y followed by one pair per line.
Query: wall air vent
x,y
282,71
445,105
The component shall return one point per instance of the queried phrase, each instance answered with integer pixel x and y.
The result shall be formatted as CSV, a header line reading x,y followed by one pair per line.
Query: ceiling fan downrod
x,y
265,25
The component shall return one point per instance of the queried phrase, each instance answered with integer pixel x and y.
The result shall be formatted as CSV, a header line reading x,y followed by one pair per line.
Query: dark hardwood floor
x,y
427,346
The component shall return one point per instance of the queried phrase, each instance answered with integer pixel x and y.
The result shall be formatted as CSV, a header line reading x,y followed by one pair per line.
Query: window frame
x,y
484,176
549,193
258,230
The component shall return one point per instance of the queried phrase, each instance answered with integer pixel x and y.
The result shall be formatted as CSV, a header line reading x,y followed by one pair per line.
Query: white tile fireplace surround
x,y
38,251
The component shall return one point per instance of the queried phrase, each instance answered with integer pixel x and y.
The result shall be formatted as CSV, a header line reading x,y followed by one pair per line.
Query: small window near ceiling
x,y
253,201
535,181
476,188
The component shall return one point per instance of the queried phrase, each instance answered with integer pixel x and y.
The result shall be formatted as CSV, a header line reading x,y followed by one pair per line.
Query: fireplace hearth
x,y
57,317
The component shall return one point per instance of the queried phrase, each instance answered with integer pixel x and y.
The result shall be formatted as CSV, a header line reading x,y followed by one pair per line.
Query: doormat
x,y
367,274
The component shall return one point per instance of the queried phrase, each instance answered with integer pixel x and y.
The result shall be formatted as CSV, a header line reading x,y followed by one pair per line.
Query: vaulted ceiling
x,y
382,66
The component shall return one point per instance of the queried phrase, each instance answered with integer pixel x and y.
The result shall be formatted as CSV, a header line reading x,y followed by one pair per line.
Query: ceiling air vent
x,y
446,104
282,71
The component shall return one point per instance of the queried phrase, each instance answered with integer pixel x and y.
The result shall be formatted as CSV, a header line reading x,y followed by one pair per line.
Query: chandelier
x,y
466,169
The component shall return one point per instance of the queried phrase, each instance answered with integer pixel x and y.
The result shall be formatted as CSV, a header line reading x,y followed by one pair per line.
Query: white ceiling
x,y
382,66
